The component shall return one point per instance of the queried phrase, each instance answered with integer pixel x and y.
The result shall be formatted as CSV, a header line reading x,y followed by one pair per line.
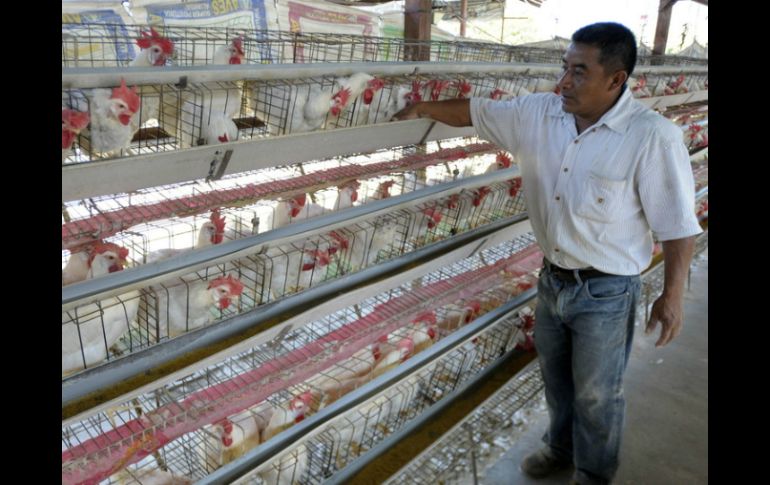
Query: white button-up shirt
x,y
595,199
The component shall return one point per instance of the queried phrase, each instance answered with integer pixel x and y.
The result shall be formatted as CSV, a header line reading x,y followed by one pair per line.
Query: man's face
x,y
586,89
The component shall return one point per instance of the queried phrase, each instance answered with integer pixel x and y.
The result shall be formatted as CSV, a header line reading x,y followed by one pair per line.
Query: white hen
x,y
88,331
211,232
114,118
155,50
183,305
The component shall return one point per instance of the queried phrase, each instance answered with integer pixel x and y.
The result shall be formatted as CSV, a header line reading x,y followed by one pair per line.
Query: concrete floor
x,y
666,433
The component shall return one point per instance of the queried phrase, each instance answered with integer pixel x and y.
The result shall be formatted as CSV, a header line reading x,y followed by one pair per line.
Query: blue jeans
x,y
583,335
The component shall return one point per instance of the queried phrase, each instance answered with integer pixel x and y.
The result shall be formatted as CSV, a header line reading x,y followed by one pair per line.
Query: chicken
x,y
464,89
88,331
216,107
639,87
676,86
76,268
294,209
347,195
436,87
498,94
523,338
471,205
219,128
374,238
283,419
156,50
310,107
230,438
292,268
502,161
231,53
696,136
423,336
211,232
392,101
114,119
383,190
455,316
351,88
79,265
306,210
403,350
514,186
506,93
423,221
72,123
184,305
357,429
346,376
288,469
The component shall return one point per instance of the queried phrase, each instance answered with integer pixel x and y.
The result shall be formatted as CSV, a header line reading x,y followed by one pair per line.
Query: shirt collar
x,y
617,118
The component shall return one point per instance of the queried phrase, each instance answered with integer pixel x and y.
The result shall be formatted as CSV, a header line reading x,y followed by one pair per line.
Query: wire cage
x,y
114,45
170,308
170,117
174,217
200,421
459,456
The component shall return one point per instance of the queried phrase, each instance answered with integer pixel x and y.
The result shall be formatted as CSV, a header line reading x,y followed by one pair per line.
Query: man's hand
x,y
669,312
408,113
668,309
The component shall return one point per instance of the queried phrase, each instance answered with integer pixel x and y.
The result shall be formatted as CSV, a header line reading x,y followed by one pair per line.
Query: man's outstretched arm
x,y
453,112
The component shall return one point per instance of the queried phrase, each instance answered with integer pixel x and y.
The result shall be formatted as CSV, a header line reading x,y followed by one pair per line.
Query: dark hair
x,y
617,46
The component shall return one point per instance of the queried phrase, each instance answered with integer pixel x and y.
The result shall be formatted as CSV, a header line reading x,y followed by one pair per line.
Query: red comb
x,y
341,240
498,93
219,224
129,96
452,201
463,88
427,317
433,214
103,247
238,45
147,40
376,83
340,99
515,186
503,159
481,192
236,287
77,120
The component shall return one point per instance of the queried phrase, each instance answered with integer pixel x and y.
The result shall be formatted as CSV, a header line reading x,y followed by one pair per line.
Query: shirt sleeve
x,y
666,185
496,121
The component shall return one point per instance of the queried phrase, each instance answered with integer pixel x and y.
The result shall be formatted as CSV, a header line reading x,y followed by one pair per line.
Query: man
x,y
601,174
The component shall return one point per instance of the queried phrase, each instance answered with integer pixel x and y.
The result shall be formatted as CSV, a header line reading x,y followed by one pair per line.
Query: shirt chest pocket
x,y
601,198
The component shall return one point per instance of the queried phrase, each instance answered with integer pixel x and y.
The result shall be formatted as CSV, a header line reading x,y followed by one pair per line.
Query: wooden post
x,y
463,16
661,29
417,19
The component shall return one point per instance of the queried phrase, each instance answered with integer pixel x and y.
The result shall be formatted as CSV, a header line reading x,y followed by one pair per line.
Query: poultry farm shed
x,y
266,281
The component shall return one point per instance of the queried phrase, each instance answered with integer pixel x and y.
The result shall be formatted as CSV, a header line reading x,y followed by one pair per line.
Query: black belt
x,y
569,274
